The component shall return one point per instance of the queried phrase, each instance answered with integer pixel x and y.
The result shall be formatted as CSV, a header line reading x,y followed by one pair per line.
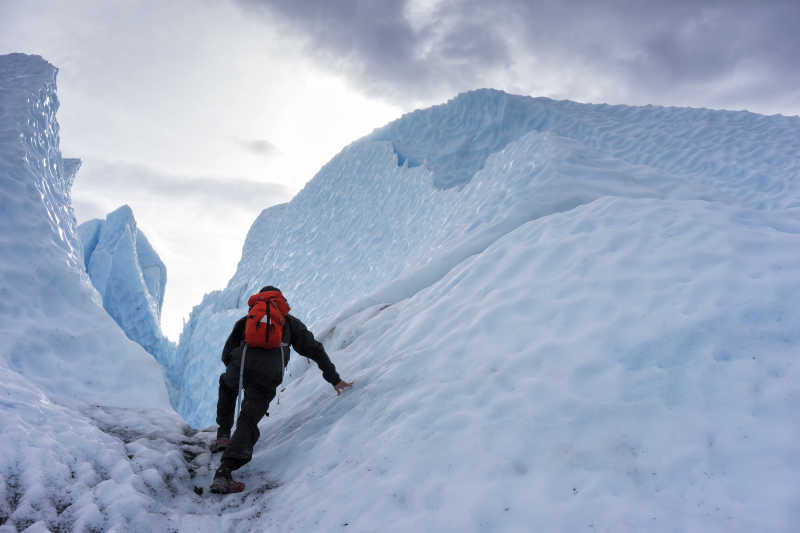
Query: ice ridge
x,y
396,210
130,277
600,320
53,332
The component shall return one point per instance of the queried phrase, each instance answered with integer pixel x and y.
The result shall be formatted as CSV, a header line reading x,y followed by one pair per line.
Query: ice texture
x,y
61,354
267,224
627,365
588,325
130,277
53,331
371,222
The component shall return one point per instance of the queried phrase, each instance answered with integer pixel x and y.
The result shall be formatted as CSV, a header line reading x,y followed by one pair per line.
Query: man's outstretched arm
x,y
305,344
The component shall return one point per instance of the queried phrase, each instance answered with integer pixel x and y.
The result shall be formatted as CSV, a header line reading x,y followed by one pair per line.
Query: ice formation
x,y
54,332
130,277
583,321
370,221
558,317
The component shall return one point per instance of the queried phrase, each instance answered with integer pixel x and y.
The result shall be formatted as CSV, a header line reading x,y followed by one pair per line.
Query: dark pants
x,y
259,390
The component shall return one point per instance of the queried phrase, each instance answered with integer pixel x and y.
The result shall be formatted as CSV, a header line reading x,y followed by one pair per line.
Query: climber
x,y
262,338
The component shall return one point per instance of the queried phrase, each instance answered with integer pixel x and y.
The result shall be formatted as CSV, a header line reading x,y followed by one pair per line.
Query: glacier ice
x,y
130,277
61,354
54,333
586,321
371,227
594,315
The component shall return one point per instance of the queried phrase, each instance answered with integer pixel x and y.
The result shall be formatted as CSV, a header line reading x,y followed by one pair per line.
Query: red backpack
x,y
264,326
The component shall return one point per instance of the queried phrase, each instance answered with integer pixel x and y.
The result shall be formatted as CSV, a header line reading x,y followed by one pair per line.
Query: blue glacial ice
x,y
55,336
396,210
130,277
573,316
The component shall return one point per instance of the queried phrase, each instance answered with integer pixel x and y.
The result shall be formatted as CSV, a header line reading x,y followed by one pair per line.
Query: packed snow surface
x,y
558,317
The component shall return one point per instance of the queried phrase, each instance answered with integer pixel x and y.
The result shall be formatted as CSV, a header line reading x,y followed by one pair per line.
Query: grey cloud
x,y
372,41
695,52
97,182
471,42
258,147
710,41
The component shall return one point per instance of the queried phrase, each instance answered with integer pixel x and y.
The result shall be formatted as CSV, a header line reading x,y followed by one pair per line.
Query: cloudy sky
x,y
199,113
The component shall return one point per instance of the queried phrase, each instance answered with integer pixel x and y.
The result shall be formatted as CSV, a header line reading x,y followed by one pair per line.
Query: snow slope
x,y
586,325
625,366
130,277
370,221
559,317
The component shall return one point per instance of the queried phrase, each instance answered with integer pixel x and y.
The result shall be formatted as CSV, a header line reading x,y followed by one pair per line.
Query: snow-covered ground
x,y
559,317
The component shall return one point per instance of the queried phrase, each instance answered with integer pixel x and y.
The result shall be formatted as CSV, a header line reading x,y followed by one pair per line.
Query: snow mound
x,y
585,324
130,277
372,223
52,328
585,321
627,365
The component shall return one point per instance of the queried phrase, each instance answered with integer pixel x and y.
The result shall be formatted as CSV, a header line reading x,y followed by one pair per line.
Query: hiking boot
x,y
223,482
222,442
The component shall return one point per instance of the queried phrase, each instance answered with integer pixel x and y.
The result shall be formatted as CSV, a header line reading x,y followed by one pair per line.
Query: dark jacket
x,y
268,362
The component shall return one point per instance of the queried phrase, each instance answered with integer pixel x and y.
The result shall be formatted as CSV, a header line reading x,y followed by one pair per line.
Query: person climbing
x,y
262,339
